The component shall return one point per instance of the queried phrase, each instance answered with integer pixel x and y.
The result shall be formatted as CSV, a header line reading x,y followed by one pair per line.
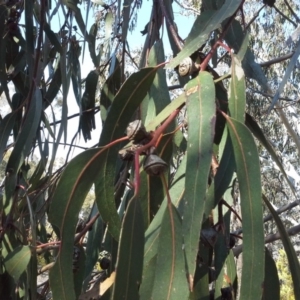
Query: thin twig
x,y
284,16
170,25
254,17
270,238
276,60
195,11
292,11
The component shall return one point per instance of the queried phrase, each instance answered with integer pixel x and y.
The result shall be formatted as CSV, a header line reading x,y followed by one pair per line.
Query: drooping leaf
x,y
109,90
22,147
237,89
93,35
16,261
29,36
87,119
271,283
93,245
201,109
288,247
169,281
6,126
248,173
65,207
123,106
130,255
126,18
223,177
235,37
203,26
176,192
148,279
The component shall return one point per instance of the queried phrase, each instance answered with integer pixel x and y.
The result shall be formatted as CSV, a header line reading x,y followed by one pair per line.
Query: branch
x,y
170,25
279,211
292,11
271,96
284,16
96,109
254,17
276,60
269,239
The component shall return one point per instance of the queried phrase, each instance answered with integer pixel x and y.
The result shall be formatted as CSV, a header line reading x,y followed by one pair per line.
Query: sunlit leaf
x,y
237,88
201,110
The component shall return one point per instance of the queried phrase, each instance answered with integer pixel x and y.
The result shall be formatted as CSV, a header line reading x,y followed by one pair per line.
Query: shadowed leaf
x,y
248,173
16,261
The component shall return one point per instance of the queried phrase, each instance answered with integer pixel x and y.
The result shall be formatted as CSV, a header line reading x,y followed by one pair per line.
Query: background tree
x,y
187,163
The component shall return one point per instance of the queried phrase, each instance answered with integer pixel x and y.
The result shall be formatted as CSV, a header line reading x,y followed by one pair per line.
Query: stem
x,y
155,137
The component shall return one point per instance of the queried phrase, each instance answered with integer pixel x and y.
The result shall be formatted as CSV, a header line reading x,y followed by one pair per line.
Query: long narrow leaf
x,y
169,280
203,26
130,255
248,173
289,249
201,109
123,106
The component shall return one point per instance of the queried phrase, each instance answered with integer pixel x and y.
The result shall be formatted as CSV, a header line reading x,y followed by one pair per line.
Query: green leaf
x,y
271,283
231,272
22,147
109,19
237,88
6,127
159,92
109,90
67,201
288,247
223,177
87,118
130,255
93,245
29,35
123,107
201,110
176,192
235,37
16,261
126,18
248,173
169,281
203,26
166,112
148,279
92,44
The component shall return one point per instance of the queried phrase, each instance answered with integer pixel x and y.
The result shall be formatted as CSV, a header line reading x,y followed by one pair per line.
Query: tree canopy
x,y
186,149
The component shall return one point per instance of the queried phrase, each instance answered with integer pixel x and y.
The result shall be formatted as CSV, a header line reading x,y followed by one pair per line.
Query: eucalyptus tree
x,y
171,162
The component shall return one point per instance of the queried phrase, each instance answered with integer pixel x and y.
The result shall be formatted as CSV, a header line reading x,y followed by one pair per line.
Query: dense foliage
x,y
196,155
